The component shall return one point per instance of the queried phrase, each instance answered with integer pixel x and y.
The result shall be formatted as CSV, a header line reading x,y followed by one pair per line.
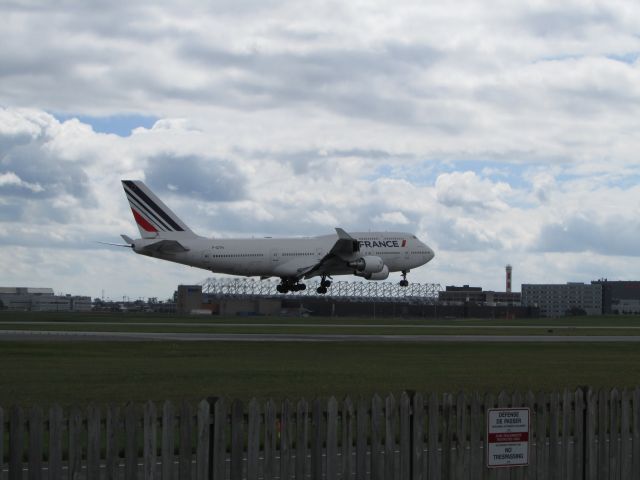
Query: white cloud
x,y
395,218
468,191
499,132
10,178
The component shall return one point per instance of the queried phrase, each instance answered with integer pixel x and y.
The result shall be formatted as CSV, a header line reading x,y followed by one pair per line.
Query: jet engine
x,y
381,275
367,265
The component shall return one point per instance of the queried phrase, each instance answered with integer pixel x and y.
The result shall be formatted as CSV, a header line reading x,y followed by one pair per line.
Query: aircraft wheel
x,y
321,290
404,283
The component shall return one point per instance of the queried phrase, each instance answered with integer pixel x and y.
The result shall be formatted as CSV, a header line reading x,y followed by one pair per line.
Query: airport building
x,y
619,297
453,295
557,300
29,299
246,297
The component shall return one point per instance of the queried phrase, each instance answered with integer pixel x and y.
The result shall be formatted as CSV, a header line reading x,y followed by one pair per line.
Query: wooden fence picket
x,y
332,439
476,460
302,438
579,434
447,433
112,454
635,467
75,444
285,440
202,440
565,452
270,440
168,440
404,414
186,432
219,439
433,433
489,402
149,441
253,440
55,442
16,439
1,441
462,458
591,462
237,439
541,436
316,440
36,434
614,420
361,440
555,469
347,439
377,471
625,435
417,455
93,441
603,425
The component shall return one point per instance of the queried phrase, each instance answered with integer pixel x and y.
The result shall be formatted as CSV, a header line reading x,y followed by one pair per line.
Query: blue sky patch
x,y
120,125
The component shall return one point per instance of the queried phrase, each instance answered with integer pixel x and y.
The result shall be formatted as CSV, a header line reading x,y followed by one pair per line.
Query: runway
x,y
40,335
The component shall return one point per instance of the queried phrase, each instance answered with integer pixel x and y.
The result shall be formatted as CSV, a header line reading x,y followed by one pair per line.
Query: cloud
x,y
496,132
10,179
394,218
468,191
610,236
202,178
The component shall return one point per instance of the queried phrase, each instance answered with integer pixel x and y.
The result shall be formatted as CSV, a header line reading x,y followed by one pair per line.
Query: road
x,y
40,335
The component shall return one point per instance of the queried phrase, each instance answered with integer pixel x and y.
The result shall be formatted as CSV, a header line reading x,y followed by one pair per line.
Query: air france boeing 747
x,y
371,255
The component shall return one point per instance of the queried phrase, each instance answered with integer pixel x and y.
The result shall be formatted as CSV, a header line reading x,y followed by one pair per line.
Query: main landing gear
x,y
290,285
324,285
404,282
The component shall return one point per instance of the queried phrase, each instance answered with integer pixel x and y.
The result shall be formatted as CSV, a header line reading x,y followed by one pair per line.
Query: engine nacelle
x,y
368,264
381,275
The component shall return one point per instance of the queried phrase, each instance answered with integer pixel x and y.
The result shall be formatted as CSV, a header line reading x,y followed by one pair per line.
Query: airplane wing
x,y
339,254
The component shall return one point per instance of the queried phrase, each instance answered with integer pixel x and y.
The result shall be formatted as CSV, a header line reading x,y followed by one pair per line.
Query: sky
x,y
497,131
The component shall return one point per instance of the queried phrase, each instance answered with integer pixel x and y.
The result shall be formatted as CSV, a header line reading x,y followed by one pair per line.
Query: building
x,y
29,299
453,295
618,296
189,298
557,300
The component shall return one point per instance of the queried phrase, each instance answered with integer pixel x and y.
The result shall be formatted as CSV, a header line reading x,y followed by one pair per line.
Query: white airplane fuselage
x,y
287,257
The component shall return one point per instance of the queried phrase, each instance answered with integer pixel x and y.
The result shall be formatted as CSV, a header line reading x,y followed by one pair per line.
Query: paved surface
x,y
328,325
8,335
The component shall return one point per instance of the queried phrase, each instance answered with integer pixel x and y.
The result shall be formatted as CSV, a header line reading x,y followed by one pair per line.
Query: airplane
x,y
370,255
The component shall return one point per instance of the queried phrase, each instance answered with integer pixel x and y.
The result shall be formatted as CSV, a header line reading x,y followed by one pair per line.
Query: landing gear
x,y
290,285
324,285
404,282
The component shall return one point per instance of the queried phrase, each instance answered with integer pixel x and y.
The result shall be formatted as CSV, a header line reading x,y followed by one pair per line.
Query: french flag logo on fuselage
x,y
404,243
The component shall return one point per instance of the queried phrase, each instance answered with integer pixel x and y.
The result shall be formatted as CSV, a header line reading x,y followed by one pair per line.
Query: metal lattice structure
x,y
425,293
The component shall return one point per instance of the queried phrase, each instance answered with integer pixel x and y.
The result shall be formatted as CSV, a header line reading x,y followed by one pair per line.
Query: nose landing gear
x,y
404,282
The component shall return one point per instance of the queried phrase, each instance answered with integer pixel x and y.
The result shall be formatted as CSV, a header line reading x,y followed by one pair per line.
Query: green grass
x,y
101,322
78,372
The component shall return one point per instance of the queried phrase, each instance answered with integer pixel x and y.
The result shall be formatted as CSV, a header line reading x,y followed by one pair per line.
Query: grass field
x,y
80,372
35,372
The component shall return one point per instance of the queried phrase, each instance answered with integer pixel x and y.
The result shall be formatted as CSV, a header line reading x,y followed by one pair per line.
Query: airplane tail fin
x,y
153,217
